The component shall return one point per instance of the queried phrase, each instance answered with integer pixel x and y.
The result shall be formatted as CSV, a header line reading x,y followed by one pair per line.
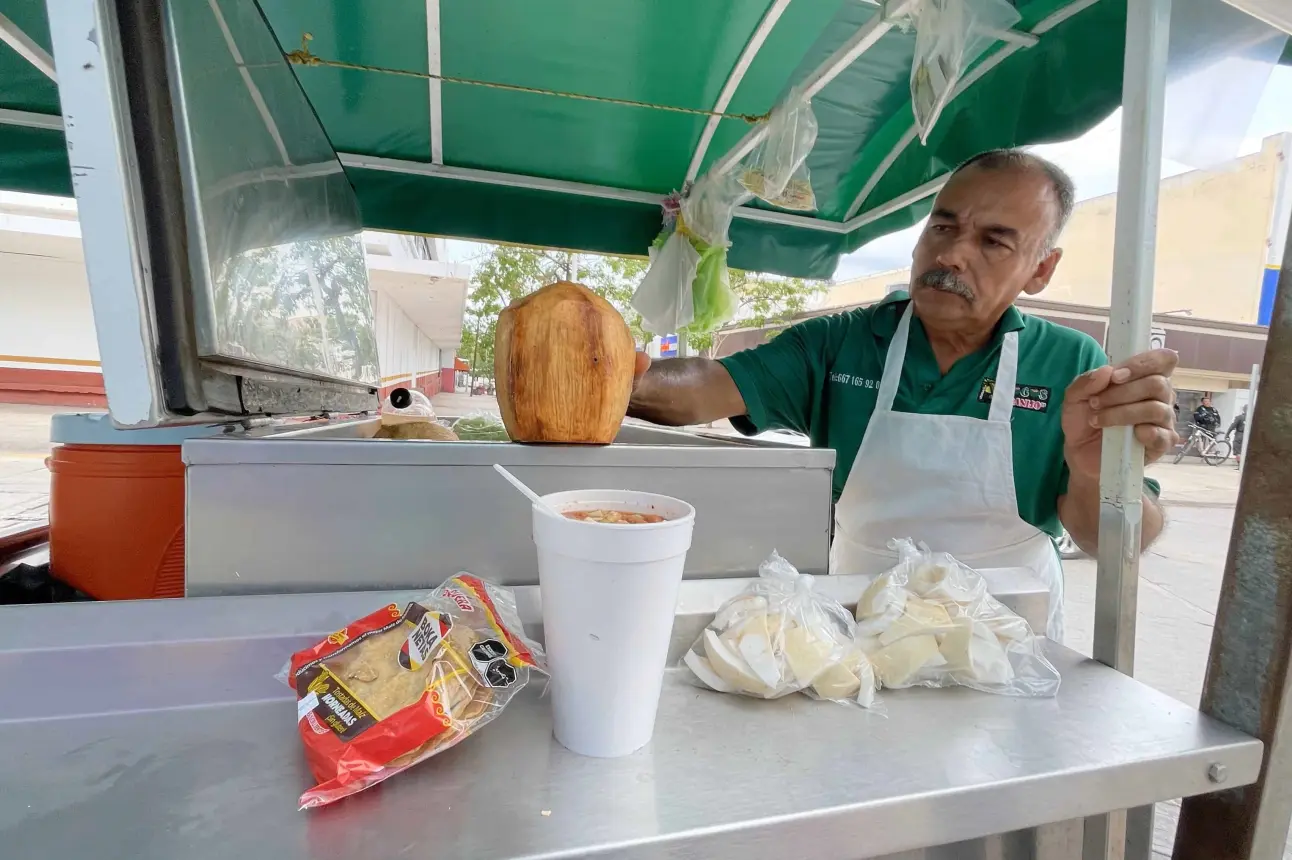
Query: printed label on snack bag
x,y
426,637
334,706
459,598
490,660
305,705
315,725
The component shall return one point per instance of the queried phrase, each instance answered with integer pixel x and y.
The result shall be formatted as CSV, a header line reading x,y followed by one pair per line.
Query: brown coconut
x,y
563,366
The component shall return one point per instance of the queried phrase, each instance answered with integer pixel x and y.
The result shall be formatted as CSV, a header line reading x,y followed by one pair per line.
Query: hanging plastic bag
x,y
949,36
929,622
776,170
705,218
664,297
780,637
713,300
687,285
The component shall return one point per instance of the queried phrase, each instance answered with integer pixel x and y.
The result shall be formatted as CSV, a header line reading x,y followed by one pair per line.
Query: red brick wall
x,y
429,384
52,387
85,388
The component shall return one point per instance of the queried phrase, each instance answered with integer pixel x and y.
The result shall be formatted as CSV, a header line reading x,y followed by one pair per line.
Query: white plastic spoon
x,y
530,494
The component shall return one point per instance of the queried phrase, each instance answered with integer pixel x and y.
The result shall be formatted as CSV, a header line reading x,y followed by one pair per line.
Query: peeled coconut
x,y
563,365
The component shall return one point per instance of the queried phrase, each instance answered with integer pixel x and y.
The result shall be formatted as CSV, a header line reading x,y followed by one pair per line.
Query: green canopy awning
x,y
491,164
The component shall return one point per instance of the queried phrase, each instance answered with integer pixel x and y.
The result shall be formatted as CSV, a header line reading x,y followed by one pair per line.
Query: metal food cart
x,y
155,729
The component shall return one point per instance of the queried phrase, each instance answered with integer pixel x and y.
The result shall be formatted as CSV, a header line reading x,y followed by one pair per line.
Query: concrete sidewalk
x,y
1195,484
24,481
459,403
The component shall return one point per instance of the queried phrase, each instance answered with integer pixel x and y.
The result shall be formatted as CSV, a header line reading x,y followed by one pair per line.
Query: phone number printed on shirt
x,y
854,381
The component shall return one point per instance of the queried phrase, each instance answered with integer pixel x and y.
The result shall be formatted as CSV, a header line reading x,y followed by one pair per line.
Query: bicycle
x,y
1213,449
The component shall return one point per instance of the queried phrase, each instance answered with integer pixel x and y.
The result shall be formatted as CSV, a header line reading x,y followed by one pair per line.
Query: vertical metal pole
x,y
1249,674
1253,388
1121,477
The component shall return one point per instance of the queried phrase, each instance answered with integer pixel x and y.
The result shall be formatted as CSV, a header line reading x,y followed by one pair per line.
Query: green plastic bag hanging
x,y
714,301
705,219
687,285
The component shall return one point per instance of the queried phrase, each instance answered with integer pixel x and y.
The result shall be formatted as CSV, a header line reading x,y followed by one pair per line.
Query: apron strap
x,y
893,362
1002,399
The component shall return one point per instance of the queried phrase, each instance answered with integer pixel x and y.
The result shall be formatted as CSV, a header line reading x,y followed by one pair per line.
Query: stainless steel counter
x,y
154,730
325,509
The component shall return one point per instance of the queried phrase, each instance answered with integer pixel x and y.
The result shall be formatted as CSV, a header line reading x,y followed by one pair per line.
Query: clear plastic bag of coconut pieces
x,y
779,636
929,622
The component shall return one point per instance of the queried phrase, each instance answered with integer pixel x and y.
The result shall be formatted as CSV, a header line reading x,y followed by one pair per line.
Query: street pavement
x,y
1179,576
1178,591
459,403
24,481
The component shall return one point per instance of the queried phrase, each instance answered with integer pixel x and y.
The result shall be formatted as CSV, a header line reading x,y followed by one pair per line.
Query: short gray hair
x,y
1065,193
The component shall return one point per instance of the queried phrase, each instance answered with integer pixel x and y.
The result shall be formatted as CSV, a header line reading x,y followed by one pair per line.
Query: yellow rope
x,y
303,57
680,227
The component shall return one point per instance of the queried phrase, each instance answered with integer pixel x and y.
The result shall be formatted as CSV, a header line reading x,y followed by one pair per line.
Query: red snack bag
x,y
403,683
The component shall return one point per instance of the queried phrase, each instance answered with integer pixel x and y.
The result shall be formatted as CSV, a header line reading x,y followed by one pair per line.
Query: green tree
x,y
764,300
615,279
499,277
272,305
505,273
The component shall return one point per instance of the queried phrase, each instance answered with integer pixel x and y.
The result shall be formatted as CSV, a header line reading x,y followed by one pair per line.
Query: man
x,y
957,420
1206,416
1235,434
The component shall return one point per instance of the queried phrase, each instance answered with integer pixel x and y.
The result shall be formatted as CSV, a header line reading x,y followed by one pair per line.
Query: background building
x,y
49,352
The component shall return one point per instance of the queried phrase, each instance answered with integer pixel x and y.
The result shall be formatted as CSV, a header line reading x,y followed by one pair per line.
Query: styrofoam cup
x,y
609,593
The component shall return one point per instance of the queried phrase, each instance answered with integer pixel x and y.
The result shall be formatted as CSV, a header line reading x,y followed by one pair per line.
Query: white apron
x,y
944,480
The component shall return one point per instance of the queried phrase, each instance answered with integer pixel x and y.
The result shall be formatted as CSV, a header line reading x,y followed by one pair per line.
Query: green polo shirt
x,y
821,378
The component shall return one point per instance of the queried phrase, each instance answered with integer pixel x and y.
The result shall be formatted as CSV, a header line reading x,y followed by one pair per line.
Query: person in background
x,y
1206,416
1235,434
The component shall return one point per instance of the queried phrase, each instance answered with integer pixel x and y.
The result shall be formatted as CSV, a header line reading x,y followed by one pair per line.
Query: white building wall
x,y
1229,403
45,313
405,353
47,323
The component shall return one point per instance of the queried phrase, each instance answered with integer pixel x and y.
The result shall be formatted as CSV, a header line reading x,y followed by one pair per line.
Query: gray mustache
x,y
948,282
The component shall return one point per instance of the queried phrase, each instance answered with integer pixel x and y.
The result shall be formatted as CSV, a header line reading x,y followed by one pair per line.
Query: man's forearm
x,y
681,391
1079,513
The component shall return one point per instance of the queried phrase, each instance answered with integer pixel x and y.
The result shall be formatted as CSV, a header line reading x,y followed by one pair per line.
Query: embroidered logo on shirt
x,y
1034,398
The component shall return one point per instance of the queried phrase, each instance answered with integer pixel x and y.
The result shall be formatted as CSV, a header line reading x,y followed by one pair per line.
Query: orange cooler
x,y
116,507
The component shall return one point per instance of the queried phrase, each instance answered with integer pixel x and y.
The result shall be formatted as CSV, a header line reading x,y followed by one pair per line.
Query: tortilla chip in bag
x,y
404,683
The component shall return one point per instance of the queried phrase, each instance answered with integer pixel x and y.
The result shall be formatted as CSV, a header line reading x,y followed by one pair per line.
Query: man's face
x,y
983,246
1206,401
